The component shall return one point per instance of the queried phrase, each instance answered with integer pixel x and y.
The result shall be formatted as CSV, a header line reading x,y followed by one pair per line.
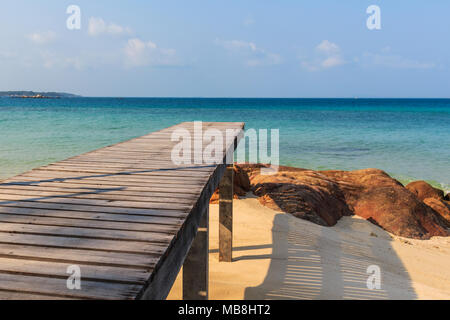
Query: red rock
x,y
441,207
324,197
304,193
424,190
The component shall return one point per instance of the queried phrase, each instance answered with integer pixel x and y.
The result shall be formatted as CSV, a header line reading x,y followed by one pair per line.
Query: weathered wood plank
x,y
148,187
7,199
14,189
78,256
117,178
58,287
87,233
22,296
99,209
128,164
91,272
132,171
104,194
90,224
92,216
83,243
120,176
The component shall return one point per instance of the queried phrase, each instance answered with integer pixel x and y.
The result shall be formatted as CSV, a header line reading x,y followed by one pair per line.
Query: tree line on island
x,y
36,95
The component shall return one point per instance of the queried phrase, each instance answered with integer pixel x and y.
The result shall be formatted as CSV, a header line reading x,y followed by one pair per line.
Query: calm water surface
x,y
408,138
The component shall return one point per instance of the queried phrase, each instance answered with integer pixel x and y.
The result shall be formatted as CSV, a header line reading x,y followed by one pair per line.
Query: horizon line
x,y
250,97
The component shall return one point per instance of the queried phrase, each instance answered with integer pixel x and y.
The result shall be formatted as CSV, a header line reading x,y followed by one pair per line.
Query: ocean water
x,y
408,138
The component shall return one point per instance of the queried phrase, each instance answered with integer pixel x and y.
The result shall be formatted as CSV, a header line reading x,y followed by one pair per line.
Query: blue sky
x,y
254,48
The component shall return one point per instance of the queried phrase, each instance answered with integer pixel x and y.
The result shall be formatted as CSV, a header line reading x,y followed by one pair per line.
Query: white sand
x,y
278,256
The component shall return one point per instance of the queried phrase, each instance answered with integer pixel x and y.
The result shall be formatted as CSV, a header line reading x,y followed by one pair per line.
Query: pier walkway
x,y
118,222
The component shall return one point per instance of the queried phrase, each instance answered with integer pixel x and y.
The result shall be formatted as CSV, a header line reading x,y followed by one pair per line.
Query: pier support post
x,y
226,215
196,264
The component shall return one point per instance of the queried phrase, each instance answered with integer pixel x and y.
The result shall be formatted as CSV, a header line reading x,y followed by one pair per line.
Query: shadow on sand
x,y
330,263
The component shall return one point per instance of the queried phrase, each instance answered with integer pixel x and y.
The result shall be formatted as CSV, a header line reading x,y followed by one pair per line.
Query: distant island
x,y
36,95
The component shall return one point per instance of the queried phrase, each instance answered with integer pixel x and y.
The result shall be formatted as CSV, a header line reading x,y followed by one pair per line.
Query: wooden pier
x,y
125,216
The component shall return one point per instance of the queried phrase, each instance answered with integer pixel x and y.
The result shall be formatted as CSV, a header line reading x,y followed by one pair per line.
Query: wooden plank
x,y
22,296
117,178
136,176
53,269
133,171
92,216
7,199
99,209
106,184
83,243
129,164
100,194
58,287
89,224
78,256
11,189
87,233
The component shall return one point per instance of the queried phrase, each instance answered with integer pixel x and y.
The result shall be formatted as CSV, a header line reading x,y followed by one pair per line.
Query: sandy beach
x,y
278,256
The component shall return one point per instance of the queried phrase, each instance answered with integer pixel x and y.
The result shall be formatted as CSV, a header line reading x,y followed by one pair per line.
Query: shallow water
x,y
408,138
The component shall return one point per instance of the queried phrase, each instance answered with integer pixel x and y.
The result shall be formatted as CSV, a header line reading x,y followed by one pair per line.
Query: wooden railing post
x,y
196,264
226,215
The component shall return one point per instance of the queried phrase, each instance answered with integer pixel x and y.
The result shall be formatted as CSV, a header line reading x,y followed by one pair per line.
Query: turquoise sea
x,y
408,138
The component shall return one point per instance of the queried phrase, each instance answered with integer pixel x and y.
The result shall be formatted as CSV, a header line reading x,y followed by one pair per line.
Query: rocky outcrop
x,y
375,196
447,197
305,194
424,190
441,207
324,197
241,185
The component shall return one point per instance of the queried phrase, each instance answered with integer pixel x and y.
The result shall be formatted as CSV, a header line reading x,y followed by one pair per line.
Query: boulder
x,y
424,190
323,197
375,196
441,207
305,194
447,197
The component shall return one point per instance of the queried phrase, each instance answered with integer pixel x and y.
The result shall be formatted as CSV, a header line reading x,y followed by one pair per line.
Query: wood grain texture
x,y
126,215
226,216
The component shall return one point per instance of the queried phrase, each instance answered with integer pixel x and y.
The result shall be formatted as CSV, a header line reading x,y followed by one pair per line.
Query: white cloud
x,y
97,27
331,62
42,37
328,56
328,47
140,53
393,61
253,55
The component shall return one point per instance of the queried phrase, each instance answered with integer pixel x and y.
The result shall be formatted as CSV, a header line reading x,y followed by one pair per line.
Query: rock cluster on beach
x,y
323,197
